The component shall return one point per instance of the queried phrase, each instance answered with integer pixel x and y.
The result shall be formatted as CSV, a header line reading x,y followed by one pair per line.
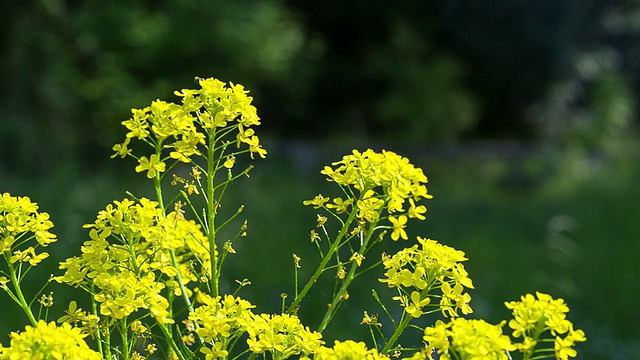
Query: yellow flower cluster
x,y
184,128
347,350
281,335
220,318
20,222
48,341
421,269
374,182
464,339
221,321
535,315
127,274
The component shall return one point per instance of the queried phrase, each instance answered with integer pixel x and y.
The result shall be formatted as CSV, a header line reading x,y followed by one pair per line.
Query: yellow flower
x,y
415,307
416,211
467,339
215,352
348,350
357,258
122,150
229,161
398,227
153,165
317,202
48,341
340,205
534,316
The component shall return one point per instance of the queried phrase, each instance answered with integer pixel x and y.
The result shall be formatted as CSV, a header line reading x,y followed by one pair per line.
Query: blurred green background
x,y
523,115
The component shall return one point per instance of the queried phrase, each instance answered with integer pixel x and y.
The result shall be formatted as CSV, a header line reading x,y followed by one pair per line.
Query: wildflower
x,y
313,235
417,303
18,217
3,282
229,162
122,150
281,335
467,339
215,352
416,211
317,201
357,258
321,220
391,178
533,316
48,341
398,227
153,165
430,265
348,350
340,205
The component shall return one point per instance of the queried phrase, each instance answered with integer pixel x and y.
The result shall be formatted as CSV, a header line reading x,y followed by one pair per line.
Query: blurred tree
x,y
382,76
415,71
72,70
516,49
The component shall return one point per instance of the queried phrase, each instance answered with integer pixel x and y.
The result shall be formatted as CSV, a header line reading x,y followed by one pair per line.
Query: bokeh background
x,y
523,114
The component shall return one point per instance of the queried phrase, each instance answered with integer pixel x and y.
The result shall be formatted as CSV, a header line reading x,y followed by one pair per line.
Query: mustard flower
x,y
19,216
281,335
153,165
48,341
467,340
221,317
430,265
533,316
377,182
417,303
122,150
185,128
416,211
129,251
137,125
369,207
340,205
348,350
399,225
20,221
187,146
317,202
214,352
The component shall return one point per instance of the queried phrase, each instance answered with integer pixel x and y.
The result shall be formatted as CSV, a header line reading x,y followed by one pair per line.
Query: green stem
x,y
397,332
183,289
339,296
323,264
18,291
94,310
211,213
125,339
172,344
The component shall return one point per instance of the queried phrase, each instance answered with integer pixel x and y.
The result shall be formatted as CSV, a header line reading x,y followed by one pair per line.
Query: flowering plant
x,y
152,267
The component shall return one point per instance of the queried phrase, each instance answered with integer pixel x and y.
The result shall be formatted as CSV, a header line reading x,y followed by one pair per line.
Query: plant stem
x,y
211,213
323,264
397,332
16,286
345,283
172,343
125,339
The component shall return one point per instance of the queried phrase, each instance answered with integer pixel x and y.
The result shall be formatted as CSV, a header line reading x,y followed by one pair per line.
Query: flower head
x,y
48,341
467,339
